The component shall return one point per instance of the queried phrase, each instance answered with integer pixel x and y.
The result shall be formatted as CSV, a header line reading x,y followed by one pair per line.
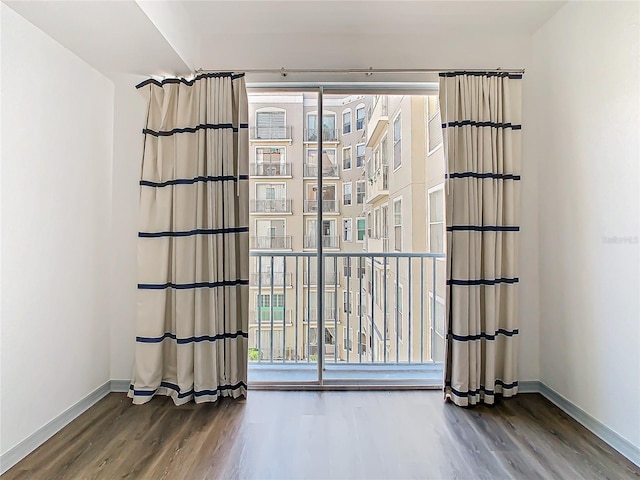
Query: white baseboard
x,y
120,385
33,441
615,440
529,386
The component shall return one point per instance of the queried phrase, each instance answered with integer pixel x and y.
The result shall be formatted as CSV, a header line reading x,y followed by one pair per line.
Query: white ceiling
x,y
156,37
366,16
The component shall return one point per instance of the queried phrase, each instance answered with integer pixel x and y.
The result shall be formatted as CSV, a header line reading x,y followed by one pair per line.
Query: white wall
x,y
130,116
57,121
583,108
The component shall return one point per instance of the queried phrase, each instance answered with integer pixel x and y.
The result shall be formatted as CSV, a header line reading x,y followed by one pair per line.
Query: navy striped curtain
x,y
481,115
193,260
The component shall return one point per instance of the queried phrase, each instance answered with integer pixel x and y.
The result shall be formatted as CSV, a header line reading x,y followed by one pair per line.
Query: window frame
x,y
398,164
431,191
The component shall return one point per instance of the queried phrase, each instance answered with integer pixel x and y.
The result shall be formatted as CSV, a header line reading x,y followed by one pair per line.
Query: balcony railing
x,y
262,316
399,320
328,206
378,185
270,169
266,279
328,135
270,133
311,170
312,314
328,241
270,206
311,278
267,242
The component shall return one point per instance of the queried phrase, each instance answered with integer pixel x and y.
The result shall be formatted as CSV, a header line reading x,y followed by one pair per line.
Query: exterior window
x,y
360,226
270,125
376,223
329,132
328,164
397,224
360,155
347,345
369,224
346,122
346,302
270,161
360,118
346,265
346,193
436,220
397,142
360,192
347,225
346,158
434,125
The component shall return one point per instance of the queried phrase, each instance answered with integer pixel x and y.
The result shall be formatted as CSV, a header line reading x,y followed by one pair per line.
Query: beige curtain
x,y
481,119
193,243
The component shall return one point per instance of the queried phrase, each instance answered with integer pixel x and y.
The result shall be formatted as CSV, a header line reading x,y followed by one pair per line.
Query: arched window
x,y
346,121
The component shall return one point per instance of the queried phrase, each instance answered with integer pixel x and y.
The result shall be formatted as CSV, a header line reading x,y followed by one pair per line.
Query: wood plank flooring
x,y
324,435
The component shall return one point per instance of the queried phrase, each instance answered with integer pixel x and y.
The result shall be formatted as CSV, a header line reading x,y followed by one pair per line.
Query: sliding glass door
x,y
331,306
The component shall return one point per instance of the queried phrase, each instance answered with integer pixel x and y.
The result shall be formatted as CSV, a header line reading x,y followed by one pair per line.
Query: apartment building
x,y
377,169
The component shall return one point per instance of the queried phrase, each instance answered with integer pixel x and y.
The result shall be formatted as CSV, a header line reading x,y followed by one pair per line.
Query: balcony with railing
x,y
270,206
393,332
328,171
329,135
311,314
270,133
282,169
329,207
378,120
267,279
328,241
378,184
267,242
264,317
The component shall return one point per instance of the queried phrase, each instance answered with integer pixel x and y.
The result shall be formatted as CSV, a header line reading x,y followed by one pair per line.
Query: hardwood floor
x,y
321,435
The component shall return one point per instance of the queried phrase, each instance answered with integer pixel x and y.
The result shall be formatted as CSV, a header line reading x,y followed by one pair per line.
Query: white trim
x,y
429,222
431,151
393,214
255,191
393,146
365,230
120,386
364,155
348,147
44,433
344,185
350,112
364,118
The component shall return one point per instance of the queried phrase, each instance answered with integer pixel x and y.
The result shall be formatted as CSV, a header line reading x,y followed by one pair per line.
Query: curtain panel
x,y
481,121
193,244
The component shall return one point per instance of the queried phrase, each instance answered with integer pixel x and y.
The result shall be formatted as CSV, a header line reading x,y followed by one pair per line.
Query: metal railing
x,y
311,170
328,206
267,242
398,328
270,133
270,206
328,135
328,241
270,169
277,279
312,314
